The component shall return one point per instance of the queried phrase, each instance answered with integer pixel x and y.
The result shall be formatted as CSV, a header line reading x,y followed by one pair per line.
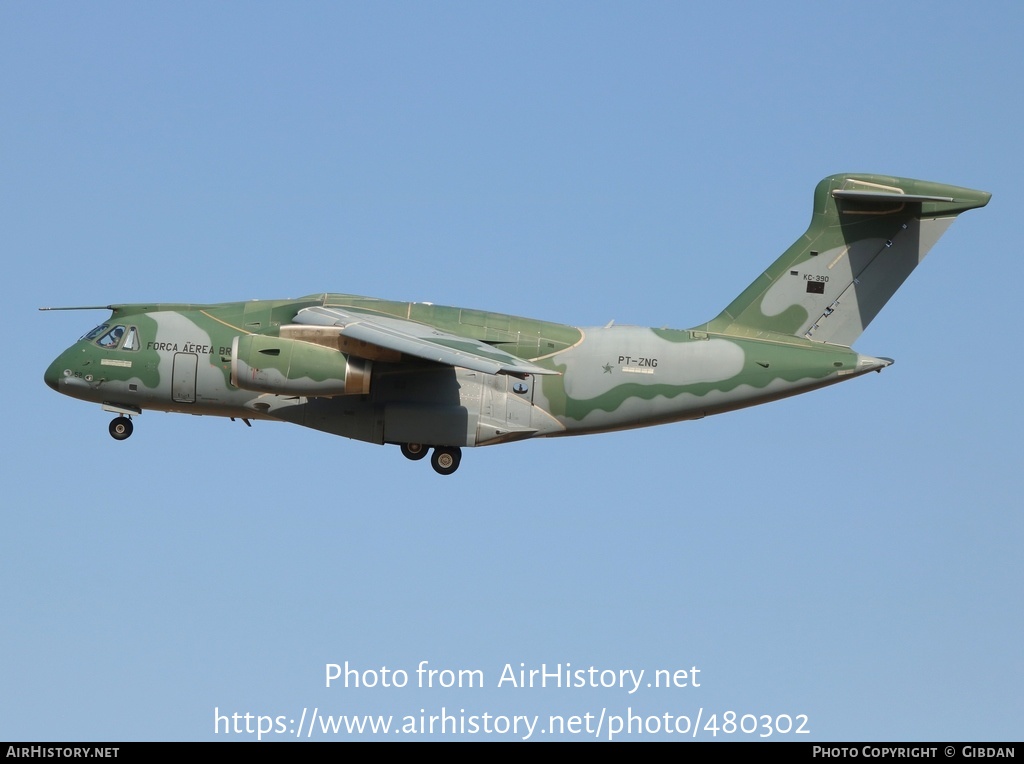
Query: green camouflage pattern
x,y
433,377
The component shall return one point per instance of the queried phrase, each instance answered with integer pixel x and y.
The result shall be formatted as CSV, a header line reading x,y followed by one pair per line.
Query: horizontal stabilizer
x,y
882,197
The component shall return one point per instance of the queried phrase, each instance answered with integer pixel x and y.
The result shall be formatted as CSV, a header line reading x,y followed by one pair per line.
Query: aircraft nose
x,y
53,374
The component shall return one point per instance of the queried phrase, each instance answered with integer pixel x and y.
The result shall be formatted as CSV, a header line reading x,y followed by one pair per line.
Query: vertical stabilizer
x,y
867,233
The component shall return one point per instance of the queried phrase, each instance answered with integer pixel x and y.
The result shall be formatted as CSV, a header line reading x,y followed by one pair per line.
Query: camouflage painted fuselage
x,y
610,378
305,361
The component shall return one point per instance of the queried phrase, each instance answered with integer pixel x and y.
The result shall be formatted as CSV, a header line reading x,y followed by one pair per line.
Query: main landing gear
x,y
414,451
445,459
121,428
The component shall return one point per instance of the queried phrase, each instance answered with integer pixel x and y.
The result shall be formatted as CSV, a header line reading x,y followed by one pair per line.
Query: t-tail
x,y
867,234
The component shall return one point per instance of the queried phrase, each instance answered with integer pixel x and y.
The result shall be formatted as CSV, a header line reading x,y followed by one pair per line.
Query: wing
x,y
420,340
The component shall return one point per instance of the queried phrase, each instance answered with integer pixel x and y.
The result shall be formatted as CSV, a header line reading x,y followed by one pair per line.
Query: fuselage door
x,y
183,377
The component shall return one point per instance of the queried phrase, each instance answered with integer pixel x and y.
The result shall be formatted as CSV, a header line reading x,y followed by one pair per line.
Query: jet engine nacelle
x,y
284,366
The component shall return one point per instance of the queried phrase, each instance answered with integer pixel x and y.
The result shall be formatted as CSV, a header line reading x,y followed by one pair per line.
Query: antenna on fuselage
x,y
84,307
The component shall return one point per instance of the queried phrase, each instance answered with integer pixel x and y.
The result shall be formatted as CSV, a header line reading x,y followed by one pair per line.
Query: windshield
x,y
110,338
95,332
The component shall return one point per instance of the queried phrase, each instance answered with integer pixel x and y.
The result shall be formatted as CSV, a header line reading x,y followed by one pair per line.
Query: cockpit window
x,y
131,342
95,332
111,338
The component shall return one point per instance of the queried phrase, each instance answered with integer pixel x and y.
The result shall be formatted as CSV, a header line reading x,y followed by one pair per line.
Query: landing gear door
x,y
183,377
522,388
519,401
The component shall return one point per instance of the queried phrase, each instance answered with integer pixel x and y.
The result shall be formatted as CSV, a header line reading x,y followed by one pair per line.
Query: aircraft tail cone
x,y
866,363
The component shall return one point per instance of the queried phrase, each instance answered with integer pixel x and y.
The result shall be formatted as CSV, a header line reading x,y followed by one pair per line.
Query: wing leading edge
x,y
420,341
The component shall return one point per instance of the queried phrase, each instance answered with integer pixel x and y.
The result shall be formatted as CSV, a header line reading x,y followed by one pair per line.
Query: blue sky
x,y
852,555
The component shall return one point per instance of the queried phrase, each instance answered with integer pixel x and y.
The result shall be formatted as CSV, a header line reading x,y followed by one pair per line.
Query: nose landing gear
x,y
121,428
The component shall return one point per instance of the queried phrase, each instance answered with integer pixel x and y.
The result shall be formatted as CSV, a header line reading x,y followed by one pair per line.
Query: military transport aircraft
x,y
427,377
